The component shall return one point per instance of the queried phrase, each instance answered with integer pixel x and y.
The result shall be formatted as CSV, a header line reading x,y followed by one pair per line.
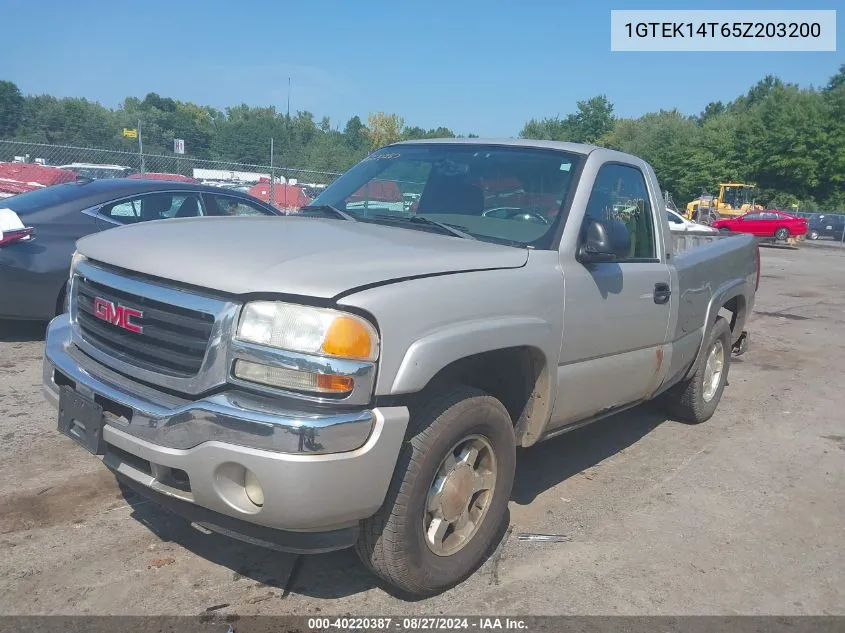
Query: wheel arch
x,y
729,301
505,358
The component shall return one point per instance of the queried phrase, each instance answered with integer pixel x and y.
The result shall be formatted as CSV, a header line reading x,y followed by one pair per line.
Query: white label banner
x,y
723,30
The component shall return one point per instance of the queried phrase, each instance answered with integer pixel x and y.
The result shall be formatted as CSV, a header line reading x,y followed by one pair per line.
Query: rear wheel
x,y
782,234
448,496
813,235
695,399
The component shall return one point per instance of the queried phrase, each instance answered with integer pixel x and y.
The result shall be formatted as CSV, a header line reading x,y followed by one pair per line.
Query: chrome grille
x,y
174,339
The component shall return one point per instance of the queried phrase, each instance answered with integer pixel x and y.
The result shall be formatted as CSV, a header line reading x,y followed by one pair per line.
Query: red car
x,y
768,223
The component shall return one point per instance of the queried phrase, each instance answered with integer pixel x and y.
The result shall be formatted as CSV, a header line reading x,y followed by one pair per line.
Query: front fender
x,y
426,356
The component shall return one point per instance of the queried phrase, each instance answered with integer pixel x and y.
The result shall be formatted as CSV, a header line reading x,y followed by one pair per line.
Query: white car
x,y
679,224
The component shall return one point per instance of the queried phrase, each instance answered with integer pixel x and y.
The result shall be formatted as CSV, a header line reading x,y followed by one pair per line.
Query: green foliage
x,y
593,119
11,108
384,129
838,80
240,134
788,141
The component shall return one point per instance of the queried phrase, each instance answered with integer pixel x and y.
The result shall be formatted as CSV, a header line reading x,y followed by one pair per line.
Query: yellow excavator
x,y
734,199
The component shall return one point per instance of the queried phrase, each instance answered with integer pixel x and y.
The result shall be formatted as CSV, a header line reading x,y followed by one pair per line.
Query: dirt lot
x,y
743,514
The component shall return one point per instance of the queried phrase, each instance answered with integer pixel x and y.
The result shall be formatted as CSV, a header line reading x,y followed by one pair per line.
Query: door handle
x,y
662,292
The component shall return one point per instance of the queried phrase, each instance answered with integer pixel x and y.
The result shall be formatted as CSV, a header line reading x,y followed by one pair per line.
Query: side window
x,y
754,216
227,205
620,193
124,212
154,206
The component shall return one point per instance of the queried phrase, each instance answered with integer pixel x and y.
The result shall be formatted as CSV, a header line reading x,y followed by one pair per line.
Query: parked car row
x,y
769,224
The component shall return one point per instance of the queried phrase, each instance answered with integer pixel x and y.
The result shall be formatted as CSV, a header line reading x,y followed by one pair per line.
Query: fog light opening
x,y
253,489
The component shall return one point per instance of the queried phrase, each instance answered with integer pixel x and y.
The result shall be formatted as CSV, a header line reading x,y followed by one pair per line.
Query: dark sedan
x,y
826,225
39,230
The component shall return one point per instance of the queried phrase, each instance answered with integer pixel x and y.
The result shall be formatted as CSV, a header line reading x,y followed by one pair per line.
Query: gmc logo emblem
x,y
118,315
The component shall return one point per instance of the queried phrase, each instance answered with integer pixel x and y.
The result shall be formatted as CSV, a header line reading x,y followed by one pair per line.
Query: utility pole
x,y
140,147
272,177
288,97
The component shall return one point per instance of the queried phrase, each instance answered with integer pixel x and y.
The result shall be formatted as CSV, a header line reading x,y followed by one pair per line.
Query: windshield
x,y
493,193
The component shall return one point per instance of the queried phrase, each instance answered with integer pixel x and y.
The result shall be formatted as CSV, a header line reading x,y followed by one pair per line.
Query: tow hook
x,y
741,345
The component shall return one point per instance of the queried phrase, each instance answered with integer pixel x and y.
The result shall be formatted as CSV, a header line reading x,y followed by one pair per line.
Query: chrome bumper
x,y
318,471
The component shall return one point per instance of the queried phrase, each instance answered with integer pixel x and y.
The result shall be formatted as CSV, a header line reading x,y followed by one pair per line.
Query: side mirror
x,y
604,241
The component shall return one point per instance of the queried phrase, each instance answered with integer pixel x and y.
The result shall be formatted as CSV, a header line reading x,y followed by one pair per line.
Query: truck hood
x,y
289,255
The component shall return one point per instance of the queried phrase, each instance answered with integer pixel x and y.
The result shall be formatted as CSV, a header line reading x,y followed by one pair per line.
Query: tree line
x,y
788,140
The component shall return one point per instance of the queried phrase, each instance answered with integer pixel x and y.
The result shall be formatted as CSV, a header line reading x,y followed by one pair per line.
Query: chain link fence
x,y
282,186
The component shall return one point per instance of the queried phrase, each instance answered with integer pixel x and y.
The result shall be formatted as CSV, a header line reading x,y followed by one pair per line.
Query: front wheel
x,y
813,235
782,234
448,496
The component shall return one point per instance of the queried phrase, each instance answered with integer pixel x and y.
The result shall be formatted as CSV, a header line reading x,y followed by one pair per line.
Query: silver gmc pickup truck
x,y
360,374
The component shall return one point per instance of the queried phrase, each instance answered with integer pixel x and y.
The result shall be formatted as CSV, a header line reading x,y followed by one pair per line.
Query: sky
x,y
475,67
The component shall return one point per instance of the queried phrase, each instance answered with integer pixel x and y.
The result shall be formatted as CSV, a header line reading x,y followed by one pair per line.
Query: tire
x,y
724,230
393,542
813,235
782,234
687,401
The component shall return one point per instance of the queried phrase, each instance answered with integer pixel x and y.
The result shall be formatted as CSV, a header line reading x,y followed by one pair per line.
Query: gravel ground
x,y
741,515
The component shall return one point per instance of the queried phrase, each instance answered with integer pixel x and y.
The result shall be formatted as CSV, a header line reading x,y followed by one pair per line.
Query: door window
x,y
154,206
620,193
228,205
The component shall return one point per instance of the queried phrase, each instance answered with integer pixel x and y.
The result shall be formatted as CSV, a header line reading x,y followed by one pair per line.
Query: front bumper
x,y
320,470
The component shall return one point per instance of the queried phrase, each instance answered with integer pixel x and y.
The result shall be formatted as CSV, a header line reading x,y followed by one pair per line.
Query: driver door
x,y
616,314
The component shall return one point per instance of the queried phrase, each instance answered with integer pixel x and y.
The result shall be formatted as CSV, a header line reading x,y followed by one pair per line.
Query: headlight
x,y
309,330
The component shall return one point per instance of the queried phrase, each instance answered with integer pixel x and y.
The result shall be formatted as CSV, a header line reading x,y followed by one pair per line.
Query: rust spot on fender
x,y
655,381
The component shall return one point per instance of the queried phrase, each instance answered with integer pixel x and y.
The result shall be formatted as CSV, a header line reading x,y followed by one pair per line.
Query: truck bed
x,y
718,257
706,265
682,242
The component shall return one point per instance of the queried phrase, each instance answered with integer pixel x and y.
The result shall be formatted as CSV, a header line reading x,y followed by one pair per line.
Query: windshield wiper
x,y
452,228
418,219
343,215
